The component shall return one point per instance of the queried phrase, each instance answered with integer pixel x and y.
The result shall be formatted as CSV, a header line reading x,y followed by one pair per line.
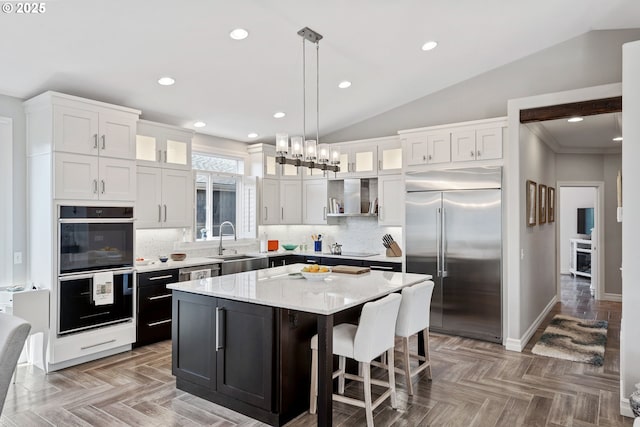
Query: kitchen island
x,y
242,340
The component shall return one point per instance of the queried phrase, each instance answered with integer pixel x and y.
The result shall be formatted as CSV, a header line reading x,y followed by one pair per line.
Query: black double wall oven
x,y
93,241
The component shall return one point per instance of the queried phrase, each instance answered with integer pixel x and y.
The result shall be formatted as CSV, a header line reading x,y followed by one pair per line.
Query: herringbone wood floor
x,y
474,384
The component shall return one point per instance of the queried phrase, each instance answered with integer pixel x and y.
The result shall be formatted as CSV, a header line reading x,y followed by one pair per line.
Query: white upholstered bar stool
x,y
373,336
413,317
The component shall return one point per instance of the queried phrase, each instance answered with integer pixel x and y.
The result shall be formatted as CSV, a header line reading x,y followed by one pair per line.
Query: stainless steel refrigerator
x,y
454,232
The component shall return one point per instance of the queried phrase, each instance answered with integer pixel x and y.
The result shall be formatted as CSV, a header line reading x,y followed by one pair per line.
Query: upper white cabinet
x,y
290,202
162,145
314,201
460,142
359,159
391,200
389,156
165,198
263,164
269,201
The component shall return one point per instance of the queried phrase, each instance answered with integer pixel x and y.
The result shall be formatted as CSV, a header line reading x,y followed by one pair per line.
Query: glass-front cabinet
x,y
163,145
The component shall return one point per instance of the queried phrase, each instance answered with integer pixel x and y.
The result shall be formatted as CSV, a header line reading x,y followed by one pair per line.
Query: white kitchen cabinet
x,y
428,148
162,145
481,144
358,159
314,201
390,200
290,202
389,156
263,164
463,146
165,198
82,128
269,201
82,177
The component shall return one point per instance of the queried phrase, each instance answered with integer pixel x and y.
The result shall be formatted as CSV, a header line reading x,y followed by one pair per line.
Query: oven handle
x,y
95,220
75,276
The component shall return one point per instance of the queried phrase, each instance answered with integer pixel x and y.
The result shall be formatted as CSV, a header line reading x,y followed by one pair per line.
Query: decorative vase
x,y
634,401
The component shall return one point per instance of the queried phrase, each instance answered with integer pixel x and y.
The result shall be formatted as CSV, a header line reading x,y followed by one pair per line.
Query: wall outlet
x,y
17,257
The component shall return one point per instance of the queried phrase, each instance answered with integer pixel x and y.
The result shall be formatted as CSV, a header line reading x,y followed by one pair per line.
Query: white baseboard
x,y
518,345
88,358
625,409
565,272
612,297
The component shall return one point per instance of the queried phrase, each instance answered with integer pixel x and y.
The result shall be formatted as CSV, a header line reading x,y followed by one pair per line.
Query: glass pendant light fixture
x,y
305,152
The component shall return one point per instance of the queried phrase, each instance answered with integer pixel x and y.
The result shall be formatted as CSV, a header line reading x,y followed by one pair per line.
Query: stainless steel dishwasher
x,y
198,272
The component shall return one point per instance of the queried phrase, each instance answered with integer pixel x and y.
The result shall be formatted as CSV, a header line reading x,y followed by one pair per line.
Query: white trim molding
x,y
519,344
611,297
625,409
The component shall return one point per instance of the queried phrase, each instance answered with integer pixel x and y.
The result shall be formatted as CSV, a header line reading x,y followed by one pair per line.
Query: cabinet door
x,y
439,148
76,177
117,136
245,352
389,157
193,331
177,150
416,149
117,179
314,202
177,198
289,172
270,201
345,161
148,150
390,200
291,202
489,144
365,159
75,130
463,146
148,197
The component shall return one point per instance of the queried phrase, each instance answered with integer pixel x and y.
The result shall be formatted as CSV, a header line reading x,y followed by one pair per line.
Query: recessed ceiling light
x,y
239,34
617,139
430,45
345,84
199,124
252,135
166,81
279,115
575,119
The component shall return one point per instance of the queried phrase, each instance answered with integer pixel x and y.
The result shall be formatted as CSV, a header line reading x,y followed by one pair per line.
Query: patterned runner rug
x,y
574,339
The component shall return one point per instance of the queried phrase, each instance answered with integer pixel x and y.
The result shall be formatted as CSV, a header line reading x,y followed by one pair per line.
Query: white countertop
x,y
274,287
188,262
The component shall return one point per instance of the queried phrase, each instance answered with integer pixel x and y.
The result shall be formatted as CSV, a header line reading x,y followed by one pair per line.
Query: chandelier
x,y
303,152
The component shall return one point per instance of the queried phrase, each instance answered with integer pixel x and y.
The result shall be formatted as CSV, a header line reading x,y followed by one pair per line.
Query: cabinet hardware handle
x,y
478,153
104,142
165,156
218,323
379,165
266,213
166,276
96,345
430,157
424,158
162,322
165,213
159,297
282,213
311,261
103,186
159,213
324,214
160,156
472,153
380,267
95,140
95,186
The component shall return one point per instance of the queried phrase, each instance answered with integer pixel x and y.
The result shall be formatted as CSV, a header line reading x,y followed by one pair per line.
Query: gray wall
x,y
592,59
12,108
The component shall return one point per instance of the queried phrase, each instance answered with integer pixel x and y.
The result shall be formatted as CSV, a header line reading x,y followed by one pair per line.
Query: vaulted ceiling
x,y
116,50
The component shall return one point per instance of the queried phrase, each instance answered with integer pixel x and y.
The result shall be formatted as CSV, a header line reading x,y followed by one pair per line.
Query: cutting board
x,y
350,269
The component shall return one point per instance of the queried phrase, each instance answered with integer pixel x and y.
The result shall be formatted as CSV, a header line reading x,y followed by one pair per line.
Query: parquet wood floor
x,y
474,384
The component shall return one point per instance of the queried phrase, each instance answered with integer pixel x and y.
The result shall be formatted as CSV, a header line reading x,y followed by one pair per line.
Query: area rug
x,y
574,339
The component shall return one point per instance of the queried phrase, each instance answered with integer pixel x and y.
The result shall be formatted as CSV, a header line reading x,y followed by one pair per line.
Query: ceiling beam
x,y
562,111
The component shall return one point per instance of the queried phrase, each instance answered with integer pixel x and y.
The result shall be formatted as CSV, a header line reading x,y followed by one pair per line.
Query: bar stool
x,y
413,317
373,336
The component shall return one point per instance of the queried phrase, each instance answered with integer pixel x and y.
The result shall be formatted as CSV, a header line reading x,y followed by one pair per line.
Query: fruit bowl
x,y
178,256
315,276
289,246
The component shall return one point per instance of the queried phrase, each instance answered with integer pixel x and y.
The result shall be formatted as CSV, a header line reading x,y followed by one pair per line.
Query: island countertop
x,y
275,287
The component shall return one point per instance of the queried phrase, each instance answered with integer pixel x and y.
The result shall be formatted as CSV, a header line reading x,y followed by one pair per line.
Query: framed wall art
x,y
531,196
551,204
542,204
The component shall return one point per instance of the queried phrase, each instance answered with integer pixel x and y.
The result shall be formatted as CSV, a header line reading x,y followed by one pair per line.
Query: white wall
x,y
629,335
12,108
569,200
591,59
538,268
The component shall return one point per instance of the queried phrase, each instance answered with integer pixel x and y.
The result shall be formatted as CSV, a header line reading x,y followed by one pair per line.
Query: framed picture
x,y
531,195
551,204
542,204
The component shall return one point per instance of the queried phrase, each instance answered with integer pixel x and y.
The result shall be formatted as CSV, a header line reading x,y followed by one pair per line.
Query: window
x,y
223,194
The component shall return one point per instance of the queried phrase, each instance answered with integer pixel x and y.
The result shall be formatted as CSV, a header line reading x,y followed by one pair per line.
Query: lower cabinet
x,y
154,306
250,358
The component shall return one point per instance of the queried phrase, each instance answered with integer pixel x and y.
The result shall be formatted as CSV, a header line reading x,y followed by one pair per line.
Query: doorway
x,y
579,238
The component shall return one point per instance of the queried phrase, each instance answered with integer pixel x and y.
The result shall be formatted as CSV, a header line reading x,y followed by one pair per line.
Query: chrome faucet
x,y
235,236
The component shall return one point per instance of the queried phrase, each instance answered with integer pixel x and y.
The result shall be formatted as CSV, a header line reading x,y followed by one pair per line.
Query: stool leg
x,y
383,358
407,364
45,343
313,392
341,368
366,367
427,356
392,378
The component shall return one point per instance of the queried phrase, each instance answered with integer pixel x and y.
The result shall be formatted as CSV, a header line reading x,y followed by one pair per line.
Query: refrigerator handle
x,y
444,243
438,246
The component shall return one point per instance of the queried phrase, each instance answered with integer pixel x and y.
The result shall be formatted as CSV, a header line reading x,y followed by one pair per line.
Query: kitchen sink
x,y
238,263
